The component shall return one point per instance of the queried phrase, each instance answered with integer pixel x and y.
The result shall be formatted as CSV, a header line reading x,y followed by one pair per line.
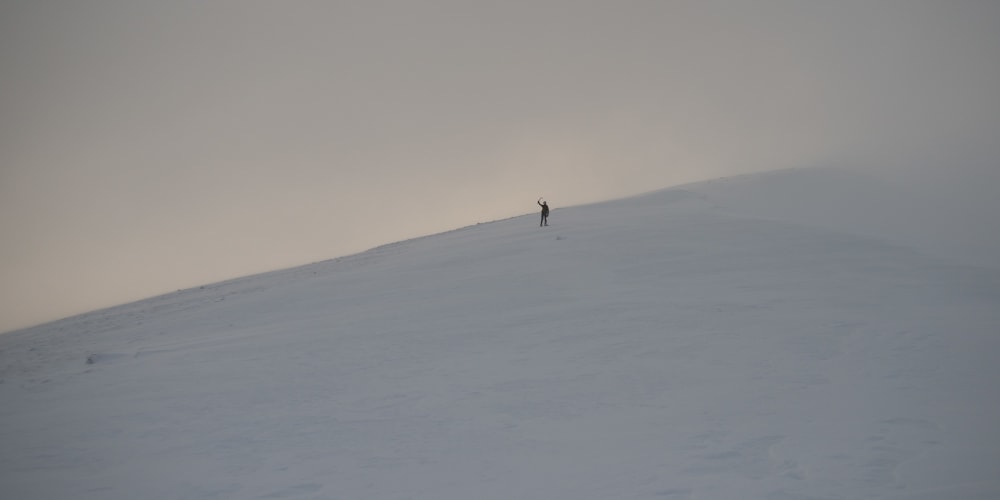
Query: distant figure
x,y
545,213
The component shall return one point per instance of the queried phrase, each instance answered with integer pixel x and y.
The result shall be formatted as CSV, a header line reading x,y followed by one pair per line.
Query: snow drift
x,y
712,341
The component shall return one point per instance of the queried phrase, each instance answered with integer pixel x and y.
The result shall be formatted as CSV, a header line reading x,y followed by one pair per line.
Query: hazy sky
x,y
147,146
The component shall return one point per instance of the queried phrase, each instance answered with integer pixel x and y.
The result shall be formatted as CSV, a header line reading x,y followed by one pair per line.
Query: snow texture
x,y
723,340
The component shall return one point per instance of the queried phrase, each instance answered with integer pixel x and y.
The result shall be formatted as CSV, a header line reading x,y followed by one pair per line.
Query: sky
x,y
149,146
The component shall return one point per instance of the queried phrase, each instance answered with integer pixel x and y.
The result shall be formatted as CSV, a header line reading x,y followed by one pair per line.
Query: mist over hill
x,y
152,146
788,335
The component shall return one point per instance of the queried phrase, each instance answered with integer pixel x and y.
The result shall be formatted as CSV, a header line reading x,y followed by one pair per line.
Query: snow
x,y
718,340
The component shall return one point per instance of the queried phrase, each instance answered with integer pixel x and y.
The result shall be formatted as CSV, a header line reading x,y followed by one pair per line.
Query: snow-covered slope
x,y
936,220
663,347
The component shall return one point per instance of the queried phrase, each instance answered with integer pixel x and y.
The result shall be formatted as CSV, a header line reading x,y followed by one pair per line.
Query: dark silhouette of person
x,y
545,212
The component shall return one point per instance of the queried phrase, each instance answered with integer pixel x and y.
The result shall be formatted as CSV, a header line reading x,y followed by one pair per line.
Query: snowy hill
x,y
702,342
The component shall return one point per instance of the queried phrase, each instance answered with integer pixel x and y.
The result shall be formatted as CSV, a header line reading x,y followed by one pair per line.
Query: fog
x,y
148,146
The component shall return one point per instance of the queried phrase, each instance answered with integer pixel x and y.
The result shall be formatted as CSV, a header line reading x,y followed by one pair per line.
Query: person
x,y
545,212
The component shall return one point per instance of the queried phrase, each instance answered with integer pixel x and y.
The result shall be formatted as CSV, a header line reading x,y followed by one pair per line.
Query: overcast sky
x,y
147,146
